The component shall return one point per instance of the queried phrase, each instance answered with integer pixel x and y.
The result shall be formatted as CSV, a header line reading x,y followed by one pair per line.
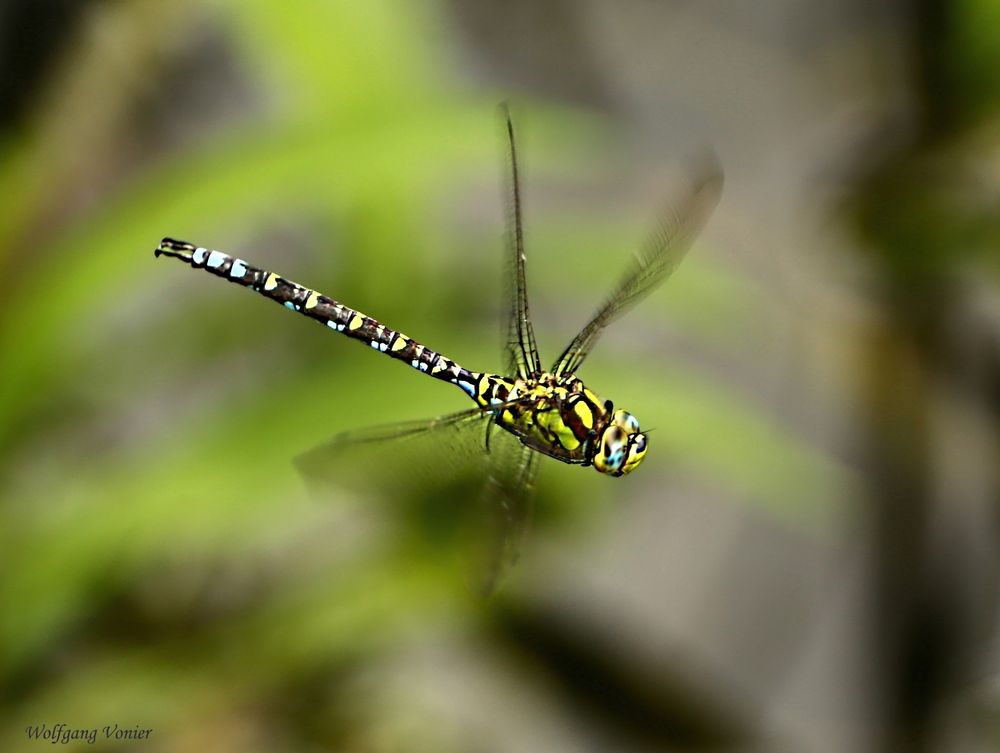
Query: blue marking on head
x,y
289,305
215,259
198,257
238,269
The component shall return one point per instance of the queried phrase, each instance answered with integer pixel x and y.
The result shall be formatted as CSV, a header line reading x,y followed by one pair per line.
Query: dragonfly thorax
x,y
560,417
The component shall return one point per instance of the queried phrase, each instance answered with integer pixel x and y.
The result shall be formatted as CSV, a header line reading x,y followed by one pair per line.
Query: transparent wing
x,y
438,479
655,262
521,350
330,461
508,503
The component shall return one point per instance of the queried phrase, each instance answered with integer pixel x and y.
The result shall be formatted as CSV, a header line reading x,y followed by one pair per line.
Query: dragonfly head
x,y
621,446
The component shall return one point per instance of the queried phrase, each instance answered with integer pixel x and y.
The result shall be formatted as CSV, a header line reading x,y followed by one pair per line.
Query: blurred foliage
x,y
927,214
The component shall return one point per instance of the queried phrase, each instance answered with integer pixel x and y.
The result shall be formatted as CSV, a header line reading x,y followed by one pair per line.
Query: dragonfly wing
x,y
521,350
447,478
322,464
507,502
655,262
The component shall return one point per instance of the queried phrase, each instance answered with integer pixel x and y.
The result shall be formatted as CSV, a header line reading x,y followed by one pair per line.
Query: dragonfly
x,y
550,412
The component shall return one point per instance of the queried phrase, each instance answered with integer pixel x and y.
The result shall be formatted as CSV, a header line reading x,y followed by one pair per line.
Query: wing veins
x,y
652,265
522,350
508,498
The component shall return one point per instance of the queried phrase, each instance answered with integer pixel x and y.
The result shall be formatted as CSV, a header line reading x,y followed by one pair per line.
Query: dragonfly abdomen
x,y
323,309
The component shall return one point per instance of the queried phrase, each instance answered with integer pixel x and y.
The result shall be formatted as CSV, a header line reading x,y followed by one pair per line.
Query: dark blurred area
x,y
33,34
808,558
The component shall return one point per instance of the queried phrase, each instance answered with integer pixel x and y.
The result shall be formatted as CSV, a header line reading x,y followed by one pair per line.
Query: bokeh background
x,y
807,560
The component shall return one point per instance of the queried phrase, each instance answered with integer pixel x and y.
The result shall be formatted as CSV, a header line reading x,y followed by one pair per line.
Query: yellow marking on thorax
x,y
552,422
583,411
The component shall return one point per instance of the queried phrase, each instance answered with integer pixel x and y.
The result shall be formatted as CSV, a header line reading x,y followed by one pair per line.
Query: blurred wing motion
x,y
521,351
324,464
386,432
507,504
656,261
491,518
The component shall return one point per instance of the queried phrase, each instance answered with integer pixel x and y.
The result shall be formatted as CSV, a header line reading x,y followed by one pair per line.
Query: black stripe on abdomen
x,y
325,310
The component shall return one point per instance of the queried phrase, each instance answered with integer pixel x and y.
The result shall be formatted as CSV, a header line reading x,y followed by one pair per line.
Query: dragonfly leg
x,y
489,430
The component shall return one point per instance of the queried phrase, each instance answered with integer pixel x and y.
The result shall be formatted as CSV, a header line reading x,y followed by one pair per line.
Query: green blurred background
x,y
807,560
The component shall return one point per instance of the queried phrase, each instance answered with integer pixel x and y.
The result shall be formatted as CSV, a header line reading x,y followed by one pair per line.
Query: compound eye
x,y
627,421
637,447
610,456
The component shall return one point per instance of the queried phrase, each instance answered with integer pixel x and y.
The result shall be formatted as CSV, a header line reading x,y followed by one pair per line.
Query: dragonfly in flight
x,y
550,412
